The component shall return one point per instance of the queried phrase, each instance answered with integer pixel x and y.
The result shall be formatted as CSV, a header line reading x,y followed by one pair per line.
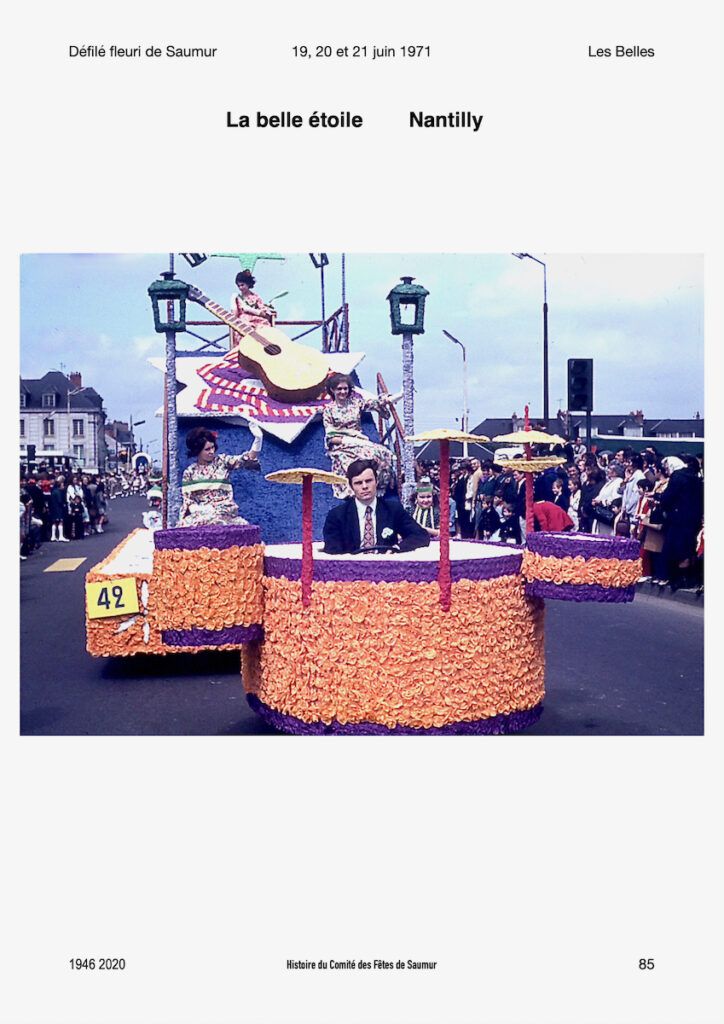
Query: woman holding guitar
x,y
344,439
248,304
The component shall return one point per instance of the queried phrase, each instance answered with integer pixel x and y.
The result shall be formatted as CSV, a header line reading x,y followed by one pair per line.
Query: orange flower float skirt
x,y
374,652
207,585
196,588
581,567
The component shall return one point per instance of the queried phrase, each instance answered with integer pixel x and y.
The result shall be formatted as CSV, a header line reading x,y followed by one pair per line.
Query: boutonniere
x,y
387,532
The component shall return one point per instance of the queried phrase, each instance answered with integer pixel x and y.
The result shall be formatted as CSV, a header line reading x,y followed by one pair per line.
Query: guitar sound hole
x,y
272,350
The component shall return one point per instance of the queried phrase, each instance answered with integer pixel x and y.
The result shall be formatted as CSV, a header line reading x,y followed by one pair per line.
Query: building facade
x,y
60,418
614,431
120,445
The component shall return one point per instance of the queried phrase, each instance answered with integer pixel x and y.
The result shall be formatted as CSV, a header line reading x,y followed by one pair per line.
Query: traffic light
x,y
31,453
580,385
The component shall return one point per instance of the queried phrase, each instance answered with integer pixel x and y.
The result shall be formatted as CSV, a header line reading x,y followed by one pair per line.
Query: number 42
x,y
104,601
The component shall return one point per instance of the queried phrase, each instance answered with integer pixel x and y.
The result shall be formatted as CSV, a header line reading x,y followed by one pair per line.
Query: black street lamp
x,y
195,259
407,316
168,298
527,256
407,307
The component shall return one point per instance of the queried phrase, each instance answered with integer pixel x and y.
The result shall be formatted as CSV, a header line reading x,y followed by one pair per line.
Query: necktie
x,y
368,540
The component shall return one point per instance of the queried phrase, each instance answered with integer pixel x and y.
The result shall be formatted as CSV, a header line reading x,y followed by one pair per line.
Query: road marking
x,y
65,565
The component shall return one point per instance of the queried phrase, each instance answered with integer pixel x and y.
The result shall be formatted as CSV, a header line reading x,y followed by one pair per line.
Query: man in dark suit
x,y
366,521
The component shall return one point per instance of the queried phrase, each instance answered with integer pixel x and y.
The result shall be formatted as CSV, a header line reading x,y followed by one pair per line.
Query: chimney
x,y
76,381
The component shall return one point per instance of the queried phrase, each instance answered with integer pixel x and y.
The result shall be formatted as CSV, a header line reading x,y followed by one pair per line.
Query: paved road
x,y
611,670
624,670
67,692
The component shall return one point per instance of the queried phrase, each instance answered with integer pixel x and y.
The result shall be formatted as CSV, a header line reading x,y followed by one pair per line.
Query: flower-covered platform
x,y
195,589
374,652
581,567
372,643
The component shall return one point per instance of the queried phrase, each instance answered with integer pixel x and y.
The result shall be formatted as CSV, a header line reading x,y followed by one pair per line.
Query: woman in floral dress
x,y
344,439
249,306
207,496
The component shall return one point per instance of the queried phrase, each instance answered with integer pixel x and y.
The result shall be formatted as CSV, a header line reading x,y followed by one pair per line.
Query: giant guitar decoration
x,y
290,372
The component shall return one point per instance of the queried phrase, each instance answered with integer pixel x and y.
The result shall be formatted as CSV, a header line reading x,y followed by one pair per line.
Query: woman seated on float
x,y
207,496
344,439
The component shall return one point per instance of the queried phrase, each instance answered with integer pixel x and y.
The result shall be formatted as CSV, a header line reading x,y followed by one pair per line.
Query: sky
x,y
640,317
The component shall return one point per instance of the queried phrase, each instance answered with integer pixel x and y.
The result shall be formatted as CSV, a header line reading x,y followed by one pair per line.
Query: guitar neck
x,y
235,322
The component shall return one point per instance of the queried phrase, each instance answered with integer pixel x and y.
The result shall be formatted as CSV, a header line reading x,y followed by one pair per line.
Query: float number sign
x,y
117,597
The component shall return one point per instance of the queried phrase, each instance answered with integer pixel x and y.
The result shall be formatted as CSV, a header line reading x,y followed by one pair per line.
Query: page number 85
x,y
646,964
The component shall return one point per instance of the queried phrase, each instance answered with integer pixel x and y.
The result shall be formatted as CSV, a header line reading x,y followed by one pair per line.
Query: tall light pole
x,y
319,265
527,256
407,317
149,445
133,424
168,299
466,407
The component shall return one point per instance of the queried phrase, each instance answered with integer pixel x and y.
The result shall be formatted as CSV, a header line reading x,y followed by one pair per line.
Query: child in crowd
x,y
153,519
77,511
488,520
574,489
424,514
558,493
510,525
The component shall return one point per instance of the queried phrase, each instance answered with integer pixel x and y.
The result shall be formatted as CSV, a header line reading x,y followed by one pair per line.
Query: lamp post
x,y
149,446
466,408
407,317
320,264
527,256
132,447
168,298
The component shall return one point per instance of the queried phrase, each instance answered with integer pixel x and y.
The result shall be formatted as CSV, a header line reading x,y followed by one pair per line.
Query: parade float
x,y
445,639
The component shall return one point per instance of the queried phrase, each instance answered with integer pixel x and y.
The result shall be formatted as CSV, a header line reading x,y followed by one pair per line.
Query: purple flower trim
x,y
220,537
392,570
197,637
579,591
516,721
582,545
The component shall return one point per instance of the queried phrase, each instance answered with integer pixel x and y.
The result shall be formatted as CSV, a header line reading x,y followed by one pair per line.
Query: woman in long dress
x,y
249,306
344,439
207,497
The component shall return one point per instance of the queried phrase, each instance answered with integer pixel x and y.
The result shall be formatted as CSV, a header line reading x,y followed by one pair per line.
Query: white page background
x,y
535,870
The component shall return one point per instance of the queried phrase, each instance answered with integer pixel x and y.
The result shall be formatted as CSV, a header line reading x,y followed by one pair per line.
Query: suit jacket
x,y
342,535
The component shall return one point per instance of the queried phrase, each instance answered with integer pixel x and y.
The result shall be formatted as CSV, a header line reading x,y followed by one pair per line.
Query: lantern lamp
x,y
168,298
195,259
407,307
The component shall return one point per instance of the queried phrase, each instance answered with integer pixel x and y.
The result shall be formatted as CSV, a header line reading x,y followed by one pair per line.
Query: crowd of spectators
x,y
656,500
68,506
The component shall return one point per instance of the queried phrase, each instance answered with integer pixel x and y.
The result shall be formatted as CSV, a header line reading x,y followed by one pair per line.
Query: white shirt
x,y
74,491
361,511
631,493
